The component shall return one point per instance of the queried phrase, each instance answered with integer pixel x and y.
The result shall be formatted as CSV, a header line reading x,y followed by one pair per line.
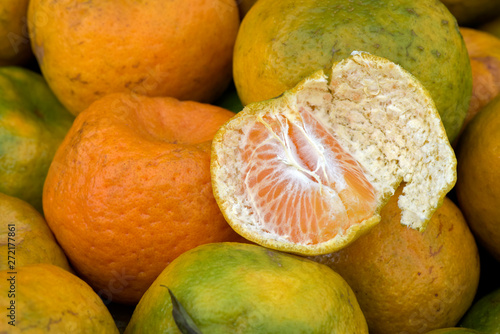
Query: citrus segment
x,y
309,171
298,179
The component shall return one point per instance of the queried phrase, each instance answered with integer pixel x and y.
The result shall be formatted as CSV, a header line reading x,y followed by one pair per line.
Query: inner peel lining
x,y
389,124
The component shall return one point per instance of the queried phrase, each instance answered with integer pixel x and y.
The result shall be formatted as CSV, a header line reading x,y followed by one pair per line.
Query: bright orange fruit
x,y
87,49
308,172
129,190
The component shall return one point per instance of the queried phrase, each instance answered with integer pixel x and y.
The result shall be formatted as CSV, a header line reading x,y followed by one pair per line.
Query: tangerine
x,y
484,314
241,288
308,172
87,49
26,237
484,54
272,55
14,42
478,182
129,190
408,281
49,299
32,125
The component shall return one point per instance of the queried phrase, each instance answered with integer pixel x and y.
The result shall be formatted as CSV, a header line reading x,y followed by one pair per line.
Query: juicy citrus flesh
x,y
308,172
303,184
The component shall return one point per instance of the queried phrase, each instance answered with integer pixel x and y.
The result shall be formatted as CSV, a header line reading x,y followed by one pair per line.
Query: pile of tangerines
x,y
148,145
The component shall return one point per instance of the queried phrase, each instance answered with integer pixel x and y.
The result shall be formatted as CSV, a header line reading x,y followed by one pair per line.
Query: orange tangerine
x,y
129,190
87,49
308,172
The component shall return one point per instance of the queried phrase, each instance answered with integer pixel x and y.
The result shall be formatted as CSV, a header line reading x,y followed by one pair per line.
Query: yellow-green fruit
x,y
244,288
478,176
408,281
281,42
484,315
25,237
44,298
32,125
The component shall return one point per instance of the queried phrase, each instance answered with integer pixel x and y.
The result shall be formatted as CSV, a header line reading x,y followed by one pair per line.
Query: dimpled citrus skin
x,y
129,190
31,239
49,299
408,281
478,182
273,55
32,125
87,49
243,288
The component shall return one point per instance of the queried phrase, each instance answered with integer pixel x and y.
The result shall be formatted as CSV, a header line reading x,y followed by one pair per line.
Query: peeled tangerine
x,y
309,171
